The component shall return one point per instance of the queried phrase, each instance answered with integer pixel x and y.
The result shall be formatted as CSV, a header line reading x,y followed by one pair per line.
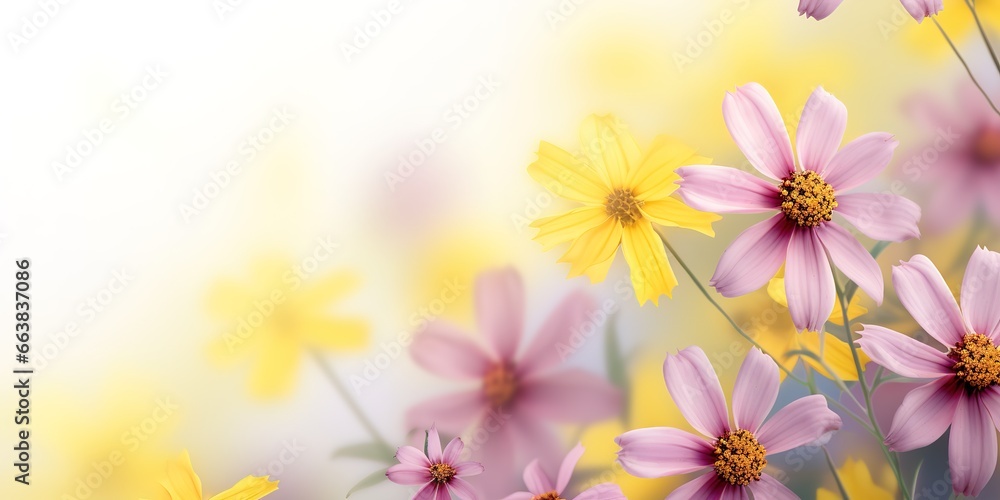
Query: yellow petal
x,y
647,262
335,333
327,289
854,310
858,483
836,354
181,482
599,271
776,289
567,176
610,148
276,370
569,226
249,488
654,177
779,342
229,298
674,213
593,247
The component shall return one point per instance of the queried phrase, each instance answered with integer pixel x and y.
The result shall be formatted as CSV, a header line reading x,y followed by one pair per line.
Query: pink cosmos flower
x,y
964,392
540,486
517,397
919,9
438,471
735,454
802,234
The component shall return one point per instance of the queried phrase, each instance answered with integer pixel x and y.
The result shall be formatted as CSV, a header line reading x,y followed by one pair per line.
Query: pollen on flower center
x,y
807,199
977,361
552,495
622,205
499,385
739,457
442,473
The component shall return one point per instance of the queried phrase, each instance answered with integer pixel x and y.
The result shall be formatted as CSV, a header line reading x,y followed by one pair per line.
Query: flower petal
x,y
924,415
453,413
860,161
770,488
499,299
803,421
434,452
453,451
981,293
428,492
443,350
647,263
569,396
696,390
565,175
521,495
972,447
726,190
610,148
409,455
704,487
923,292
880,216
408,474
903,355
462,489
551,344
567,466
604,491
655,177
818,9
469,469
672,213
756,125
536,480
593,247
753,258
559,229
920,9
853,259
820,131
756,390
663,451
808,281
249,488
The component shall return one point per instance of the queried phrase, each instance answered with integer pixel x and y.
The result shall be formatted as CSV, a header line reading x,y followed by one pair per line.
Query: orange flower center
x,y
739,457
499,385
622,205
807,199
977,361
987,147
442,473
552,495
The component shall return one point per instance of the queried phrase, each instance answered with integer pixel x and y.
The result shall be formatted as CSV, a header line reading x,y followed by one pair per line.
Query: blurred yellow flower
x,y
858,483
956,19
623,193
279,314
182,483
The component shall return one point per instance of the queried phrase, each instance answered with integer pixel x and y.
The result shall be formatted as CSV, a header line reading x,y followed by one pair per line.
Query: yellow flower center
x,y
442,473
552,495
806,199
739,458
499,385
987,147
977,361
622,205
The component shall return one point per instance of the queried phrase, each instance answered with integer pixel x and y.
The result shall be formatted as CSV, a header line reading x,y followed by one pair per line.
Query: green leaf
x,y
369,481
615,364
368,451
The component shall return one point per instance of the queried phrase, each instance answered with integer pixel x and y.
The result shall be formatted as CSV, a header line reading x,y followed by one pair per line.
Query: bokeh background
x,y
164,165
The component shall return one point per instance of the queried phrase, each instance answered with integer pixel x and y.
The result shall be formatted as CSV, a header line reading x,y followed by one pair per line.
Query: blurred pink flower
x,y
802,233
964,393
737,454
518,396
540,485
919,9
439,471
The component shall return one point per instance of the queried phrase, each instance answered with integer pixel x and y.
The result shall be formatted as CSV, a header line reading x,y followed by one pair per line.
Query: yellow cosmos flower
x,y
181,483
858,483
623,192
279,314
784,341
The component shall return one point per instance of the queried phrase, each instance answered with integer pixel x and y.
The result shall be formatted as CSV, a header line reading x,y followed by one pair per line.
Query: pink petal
x,y
442,493
981,292
924,415
408,474
521,495
663,451
428,492
820,131
920,9
536,480
881,216
726,190
903,355
923,292
756,390
990,397
770,488
734,492
605,491
763,246
409,455
972,447
818,9
499,299
567,466
803,421
548,348
569,396
853,259
808,281
462,489
756,125
704,487
860,161
695,389
453,451
453,413
444,351
434,453
468,468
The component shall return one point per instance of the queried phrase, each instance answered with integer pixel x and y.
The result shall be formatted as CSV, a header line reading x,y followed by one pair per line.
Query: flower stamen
x,y
499,385
622,205
442,473
739,457
807,199
977,361
552,495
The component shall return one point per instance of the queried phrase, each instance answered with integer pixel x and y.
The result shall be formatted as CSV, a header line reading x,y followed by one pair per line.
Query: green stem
x,y
836,475
982,33
351,403
965,64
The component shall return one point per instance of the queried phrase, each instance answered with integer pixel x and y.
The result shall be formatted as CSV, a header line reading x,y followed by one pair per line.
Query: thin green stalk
x,y
351,403
965,65
836,475
982,33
